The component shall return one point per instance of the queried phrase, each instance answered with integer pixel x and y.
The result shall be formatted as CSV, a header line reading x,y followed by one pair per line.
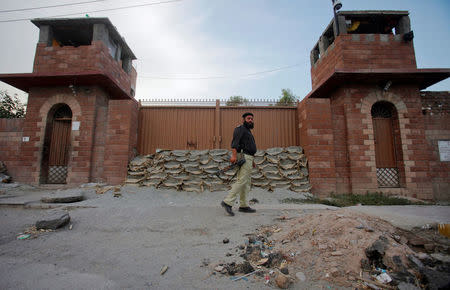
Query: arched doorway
x,y
56,145
386,155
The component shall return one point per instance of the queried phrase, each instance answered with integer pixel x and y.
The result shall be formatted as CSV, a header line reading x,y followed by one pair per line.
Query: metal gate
x,y
198,128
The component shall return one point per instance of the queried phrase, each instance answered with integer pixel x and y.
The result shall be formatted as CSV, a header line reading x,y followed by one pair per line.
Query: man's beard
x,y
248,125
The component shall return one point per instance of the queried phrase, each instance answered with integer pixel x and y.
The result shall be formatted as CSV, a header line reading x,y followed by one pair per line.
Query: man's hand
x,y
233,157
254,165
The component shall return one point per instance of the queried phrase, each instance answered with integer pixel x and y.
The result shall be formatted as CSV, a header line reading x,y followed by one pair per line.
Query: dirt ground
x,y
124,241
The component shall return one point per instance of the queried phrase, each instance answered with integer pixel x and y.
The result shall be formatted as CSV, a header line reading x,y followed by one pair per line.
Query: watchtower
x,y
362,125
81,121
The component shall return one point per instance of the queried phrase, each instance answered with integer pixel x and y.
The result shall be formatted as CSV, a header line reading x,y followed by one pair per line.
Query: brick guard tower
x,y
362,125
81,116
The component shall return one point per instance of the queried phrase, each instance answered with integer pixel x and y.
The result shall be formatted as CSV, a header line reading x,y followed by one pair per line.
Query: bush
x,y
10,107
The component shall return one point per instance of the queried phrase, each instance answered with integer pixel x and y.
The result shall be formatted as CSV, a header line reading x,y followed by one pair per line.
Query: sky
x,y
214,49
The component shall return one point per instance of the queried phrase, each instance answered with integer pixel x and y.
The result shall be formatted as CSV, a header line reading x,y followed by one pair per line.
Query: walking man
x,y
242,146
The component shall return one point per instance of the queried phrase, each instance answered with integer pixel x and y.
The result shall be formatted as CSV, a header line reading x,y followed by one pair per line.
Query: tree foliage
x,y
236,101
287,98
11,107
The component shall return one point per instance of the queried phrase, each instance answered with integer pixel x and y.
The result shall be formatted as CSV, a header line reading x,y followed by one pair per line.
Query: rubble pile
x,y
196,170
347,249
4,178
260,260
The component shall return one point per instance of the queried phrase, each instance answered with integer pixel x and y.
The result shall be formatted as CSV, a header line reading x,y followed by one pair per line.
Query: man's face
x,y
248,120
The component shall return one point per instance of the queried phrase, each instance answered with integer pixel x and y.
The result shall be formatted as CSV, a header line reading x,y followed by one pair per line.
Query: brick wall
x,y
363,51
341,152
316,138
99,139
40,101
99,150
338,138
10,140
70,59
121,139
353,105
355,154
436,114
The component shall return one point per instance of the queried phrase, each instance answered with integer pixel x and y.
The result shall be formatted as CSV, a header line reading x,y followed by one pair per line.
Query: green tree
x,y
287,98
11,107
236,101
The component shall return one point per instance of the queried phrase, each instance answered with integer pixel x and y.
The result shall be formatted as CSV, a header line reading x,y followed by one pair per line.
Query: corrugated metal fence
x,y
209,127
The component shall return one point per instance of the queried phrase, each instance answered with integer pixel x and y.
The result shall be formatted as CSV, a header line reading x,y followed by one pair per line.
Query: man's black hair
x,y
247,114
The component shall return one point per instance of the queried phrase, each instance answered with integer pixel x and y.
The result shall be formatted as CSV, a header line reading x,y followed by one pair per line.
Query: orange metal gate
x,y
178,128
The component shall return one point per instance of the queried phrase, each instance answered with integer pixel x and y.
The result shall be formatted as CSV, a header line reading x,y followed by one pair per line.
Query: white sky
x,y
229,39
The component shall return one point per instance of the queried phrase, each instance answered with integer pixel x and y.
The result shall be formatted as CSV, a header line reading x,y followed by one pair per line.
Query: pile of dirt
x,y
347,249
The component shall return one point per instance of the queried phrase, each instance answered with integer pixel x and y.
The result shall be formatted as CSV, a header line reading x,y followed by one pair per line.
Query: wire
x,y
94,11
52,6
221,77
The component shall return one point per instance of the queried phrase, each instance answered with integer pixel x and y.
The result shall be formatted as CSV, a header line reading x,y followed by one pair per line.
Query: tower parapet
x,y
363,40
74,45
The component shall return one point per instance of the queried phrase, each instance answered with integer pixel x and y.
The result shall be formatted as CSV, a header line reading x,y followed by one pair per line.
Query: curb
x,y
33,205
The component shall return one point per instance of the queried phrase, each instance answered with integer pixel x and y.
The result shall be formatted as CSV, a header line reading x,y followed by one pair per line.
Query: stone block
x,y
53,221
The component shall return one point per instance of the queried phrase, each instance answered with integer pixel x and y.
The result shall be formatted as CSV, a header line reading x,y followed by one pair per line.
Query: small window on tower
x,y
370,24
74,35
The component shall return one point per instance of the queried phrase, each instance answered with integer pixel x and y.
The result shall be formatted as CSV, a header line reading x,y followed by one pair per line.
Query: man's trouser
x,y
243,183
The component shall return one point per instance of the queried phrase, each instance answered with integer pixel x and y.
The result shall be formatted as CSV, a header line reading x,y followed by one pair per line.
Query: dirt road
x,y
124,242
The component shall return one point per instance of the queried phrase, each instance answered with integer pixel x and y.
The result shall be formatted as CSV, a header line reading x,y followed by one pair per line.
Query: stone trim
x,y
43,113
366,106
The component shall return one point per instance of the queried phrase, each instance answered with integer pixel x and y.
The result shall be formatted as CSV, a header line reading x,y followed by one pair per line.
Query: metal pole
x,y
336,22
336,6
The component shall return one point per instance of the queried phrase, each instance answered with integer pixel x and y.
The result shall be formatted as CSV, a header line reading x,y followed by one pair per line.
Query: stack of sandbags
x,y
281,168
137,169
4,178
195,170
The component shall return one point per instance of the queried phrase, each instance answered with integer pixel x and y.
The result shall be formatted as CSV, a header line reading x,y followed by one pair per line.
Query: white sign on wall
x,y
444,150
75,126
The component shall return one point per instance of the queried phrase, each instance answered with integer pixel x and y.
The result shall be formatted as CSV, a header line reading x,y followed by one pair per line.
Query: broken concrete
x,y
63,197
282,281
53,221
5,178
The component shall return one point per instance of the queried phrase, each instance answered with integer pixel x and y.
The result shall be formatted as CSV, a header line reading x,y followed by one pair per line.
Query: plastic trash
x,y
444,229
244,277
164,269
384,278
23,237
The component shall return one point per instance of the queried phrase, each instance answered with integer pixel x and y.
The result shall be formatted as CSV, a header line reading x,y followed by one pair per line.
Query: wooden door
x,y
59,143
384,143
386,160
59,150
